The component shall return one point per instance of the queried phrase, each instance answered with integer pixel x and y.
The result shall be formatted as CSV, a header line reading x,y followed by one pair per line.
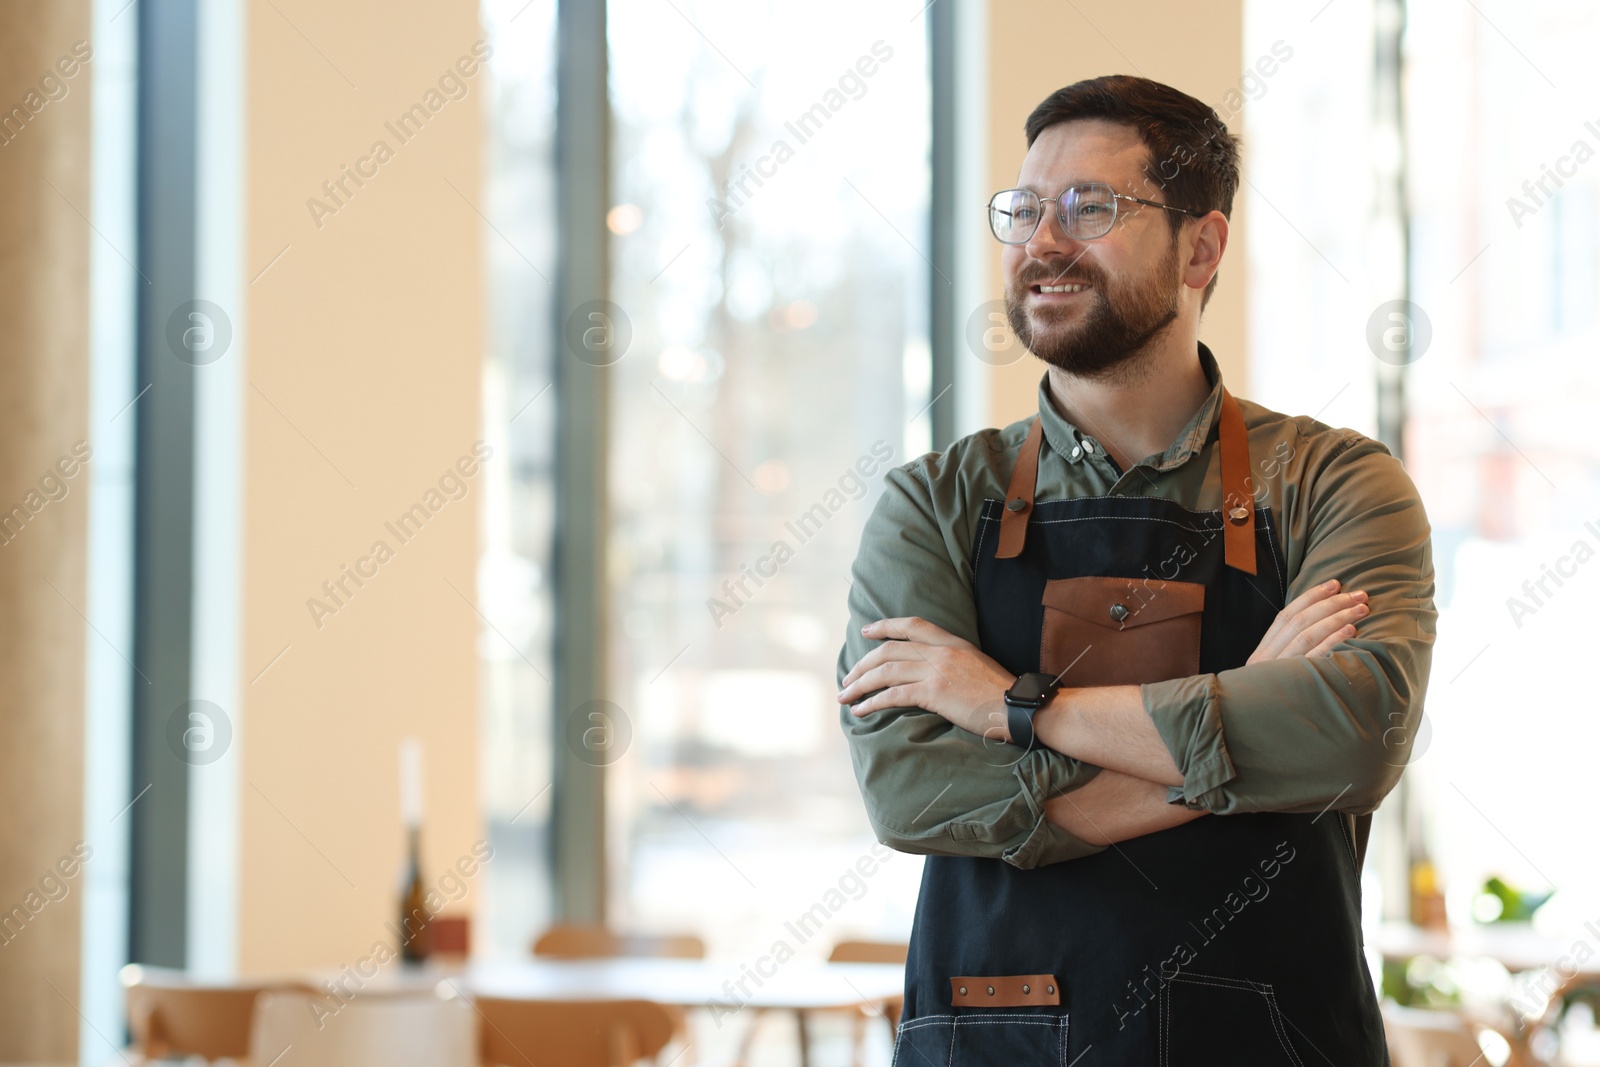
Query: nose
x,y
1051,238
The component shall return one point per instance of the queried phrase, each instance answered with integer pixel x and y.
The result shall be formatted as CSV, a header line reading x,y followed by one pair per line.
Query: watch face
x,y
1029,688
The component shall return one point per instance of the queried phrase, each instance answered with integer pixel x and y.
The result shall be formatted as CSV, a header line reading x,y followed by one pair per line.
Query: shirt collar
x,y
1073,444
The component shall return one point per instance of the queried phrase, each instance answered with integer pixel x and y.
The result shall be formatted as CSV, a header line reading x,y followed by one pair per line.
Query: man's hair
x,y
1192,159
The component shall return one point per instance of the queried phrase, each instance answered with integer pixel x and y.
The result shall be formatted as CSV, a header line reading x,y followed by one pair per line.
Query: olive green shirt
x,y
1294,735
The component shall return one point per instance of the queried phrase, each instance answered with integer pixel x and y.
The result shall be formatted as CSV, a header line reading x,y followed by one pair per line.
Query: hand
x,y
921,665
1312,624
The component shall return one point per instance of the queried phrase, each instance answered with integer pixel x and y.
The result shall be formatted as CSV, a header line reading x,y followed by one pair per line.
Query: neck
x,y
1138,408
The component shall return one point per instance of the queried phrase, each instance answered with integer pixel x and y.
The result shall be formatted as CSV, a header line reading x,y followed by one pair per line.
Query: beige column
x,y
44,288
1037,47
363,337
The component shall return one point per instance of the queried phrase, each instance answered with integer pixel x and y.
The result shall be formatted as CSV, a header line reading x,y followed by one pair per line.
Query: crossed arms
x,y
1293,729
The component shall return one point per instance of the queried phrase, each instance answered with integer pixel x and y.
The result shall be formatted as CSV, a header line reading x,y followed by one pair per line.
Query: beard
x,y
1115,329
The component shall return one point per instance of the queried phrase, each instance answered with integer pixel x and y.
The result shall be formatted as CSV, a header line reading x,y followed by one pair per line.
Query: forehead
x,y
1083,150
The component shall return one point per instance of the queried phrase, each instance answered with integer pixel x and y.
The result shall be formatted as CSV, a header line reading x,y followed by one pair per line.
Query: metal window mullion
x,y
583,182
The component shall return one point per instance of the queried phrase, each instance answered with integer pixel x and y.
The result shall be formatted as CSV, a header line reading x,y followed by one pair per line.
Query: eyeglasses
x,y
1086,211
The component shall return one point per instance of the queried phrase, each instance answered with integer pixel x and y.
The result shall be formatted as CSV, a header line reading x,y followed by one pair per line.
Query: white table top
x,y
690,983
1517,946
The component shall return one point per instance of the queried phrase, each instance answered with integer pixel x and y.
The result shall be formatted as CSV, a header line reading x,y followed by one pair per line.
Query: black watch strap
x,y
1027,695
1019,722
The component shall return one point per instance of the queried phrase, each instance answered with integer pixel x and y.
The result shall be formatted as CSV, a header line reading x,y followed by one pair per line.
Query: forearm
x,y
1108,727
1295,735
934,789
1114,807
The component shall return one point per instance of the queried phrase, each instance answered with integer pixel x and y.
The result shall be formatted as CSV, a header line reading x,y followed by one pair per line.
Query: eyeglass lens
x,y
1086,213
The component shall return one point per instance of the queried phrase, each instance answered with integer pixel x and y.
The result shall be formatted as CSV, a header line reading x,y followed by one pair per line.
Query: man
x,y
1135,673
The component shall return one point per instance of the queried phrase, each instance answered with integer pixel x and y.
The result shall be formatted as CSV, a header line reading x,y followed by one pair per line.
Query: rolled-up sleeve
x,y
1302,735
930,787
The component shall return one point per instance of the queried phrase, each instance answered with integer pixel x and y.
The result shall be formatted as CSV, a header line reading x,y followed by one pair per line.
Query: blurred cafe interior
x,y
397,674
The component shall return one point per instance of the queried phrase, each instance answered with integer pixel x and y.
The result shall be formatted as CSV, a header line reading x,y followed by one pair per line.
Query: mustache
x,y
1067,276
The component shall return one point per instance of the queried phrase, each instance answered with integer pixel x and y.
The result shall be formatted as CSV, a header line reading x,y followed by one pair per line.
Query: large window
x,y
770,241
1501,159
769,223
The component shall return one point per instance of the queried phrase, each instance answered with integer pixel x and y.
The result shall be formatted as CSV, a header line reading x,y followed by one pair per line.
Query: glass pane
x,y
1504,241
771,182
514,591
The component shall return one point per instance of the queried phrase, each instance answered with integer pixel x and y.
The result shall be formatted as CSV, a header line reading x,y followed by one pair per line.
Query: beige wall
x,y
363,349
1059,46
44,409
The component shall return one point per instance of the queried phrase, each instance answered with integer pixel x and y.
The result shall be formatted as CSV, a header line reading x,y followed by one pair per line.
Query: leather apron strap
x,y
1019,494
1239,504
1239,533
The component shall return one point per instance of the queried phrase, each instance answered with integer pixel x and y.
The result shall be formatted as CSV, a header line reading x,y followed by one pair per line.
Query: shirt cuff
x,y
1187,715
1042,775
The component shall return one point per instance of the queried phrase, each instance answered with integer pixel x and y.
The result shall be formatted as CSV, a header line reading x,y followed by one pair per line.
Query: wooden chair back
x,y
868,952
172,1015
532,1033
591,941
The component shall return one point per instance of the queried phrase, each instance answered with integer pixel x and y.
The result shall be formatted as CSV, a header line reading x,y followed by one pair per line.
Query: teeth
x,y
1062,288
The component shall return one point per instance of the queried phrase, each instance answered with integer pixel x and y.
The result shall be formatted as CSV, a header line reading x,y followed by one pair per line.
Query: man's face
x,y
1132,272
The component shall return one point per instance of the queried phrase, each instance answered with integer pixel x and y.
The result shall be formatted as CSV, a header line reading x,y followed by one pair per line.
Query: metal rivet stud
x,y
1049,989
1025,988
1016,504
991,991
1076,451
1237,516
963,990
1088,446
1119,612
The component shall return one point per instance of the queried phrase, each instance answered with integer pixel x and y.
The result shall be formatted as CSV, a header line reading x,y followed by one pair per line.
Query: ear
x,y
1207,241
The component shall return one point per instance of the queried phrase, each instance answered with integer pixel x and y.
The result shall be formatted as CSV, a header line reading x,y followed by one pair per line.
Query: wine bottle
x,y
415,942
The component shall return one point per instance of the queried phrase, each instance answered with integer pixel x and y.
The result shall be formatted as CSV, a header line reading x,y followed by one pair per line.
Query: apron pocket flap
x,y
1123,603
1156,639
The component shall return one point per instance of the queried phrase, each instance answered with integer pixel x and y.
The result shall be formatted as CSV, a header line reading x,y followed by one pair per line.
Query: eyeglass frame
x,y
989,209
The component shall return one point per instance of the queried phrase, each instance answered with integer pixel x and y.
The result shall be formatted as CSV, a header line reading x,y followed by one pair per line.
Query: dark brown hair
x,y
1192,159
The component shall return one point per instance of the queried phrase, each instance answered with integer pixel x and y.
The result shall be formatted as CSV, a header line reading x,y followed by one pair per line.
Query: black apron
x,y
1227,940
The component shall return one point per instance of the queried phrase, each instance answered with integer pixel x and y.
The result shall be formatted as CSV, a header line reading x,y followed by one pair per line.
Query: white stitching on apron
x,y
1262,989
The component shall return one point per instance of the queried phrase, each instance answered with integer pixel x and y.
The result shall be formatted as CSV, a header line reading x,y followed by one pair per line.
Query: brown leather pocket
x,y
1120,631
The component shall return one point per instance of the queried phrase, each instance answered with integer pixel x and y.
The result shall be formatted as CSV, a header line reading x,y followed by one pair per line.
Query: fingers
x,y
1285,619
1326,646
901,671
1328,620
898,696
1322,635
1312,617
910,628
887,652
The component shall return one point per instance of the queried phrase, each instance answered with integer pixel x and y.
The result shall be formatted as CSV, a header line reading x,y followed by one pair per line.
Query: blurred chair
x,y
572,941
534,1033
386,1030
872,952
1420,1037
172,1015
844,952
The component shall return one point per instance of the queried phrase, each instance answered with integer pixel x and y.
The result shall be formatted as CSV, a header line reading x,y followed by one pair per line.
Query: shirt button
x,y
1088,446
1076,451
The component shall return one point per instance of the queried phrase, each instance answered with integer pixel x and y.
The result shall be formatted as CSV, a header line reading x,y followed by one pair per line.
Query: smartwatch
x,y
1027,695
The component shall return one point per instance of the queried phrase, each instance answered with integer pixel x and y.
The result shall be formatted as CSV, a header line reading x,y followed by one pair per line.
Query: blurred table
x,y
715,985
718,985
1516,946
